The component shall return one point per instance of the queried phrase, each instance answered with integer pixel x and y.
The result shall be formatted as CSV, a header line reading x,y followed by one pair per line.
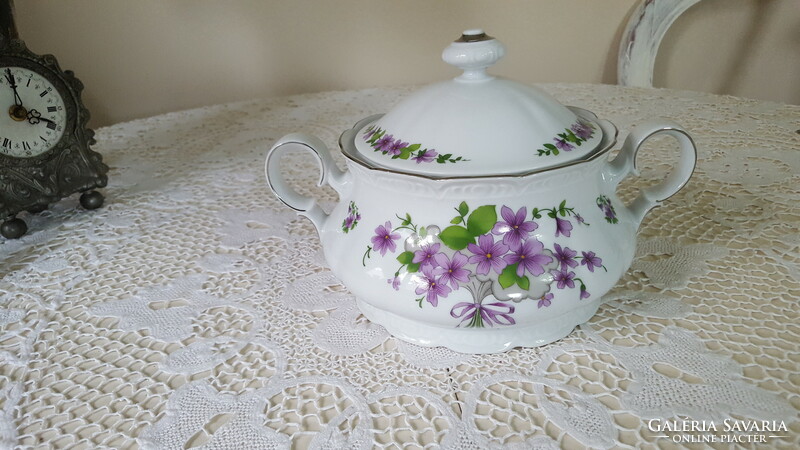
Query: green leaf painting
x,y
578,133
456,237
482,220
395,148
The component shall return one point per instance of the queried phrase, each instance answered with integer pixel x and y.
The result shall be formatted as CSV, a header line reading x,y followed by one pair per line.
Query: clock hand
x,y
17,112
35,117
10,78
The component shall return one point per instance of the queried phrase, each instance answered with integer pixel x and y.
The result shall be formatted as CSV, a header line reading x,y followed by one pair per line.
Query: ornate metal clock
x,y
44,140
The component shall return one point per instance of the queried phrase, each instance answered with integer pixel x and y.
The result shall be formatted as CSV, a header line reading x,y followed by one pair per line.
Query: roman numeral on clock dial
x,y
43,127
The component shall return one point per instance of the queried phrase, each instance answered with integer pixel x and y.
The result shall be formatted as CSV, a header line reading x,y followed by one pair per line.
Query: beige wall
x,y
144,57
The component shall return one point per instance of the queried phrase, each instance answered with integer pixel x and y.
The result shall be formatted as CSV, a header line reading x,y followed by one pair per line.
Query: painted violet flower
x,y
432,286
488,254
563,227
384,143
583,130
353,216
396,147
425,256
348,222
384,239
529,258
604,203
513,227
453,270
590,260
565,256
576,134
562,144
564,278
425,156
436,263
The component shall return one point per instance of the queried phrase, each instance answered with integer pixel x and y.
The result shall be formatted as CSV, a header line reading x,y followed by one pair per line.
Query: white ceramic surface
x,y
486,262
584,239
453,128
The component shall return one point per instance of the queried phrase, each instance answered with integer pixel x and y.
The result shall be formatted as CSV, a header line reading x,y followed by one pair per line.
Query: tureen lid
x,y
477,124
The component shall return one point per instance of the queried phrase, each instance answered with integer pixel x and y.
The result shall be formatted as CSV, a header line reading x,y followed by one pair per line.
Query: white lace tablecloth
x,y
196,310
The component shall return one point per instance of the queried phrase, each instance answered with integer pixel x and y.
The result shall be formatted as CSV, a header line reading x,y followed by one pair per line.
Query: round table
x,y
195,309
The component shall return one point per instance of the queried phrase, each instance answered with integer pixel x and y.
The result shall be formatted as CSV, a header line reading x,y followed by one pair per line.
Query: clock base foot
x,y
92,200
13,228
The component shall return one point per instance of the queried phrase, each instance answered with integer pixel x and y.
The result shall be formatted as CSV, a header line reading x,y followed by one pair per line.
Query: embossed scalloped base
x,y
484,340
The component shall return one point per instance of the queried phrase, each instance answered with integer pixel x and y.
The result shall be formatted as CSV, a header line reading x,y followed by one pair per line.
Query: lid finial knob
x,y
473,52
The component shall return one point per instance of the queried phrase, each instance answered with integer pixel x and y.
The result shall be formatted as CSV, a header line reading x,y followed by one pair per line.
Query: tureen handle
x,y
330,174
625,163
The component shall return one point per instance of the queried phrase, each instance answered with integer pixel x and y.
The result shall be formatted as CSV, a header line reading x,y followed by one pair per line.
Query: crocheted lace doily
x,y
194,309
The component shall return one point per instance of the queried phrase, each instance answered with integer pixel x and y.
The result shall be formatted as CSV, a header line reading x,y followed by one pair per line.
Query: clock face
x,y
32,113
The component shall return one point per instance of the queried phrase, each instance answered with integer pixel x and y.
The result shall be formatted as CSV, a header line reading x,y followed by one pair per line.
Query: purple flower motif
x,y
609,212
384,143
395,147
545,300
562,144
395,282
529,257
453,270
352,218
370,132
425,256
584,292
579,218
514,228
563,227
565,256
432,286
384,239
425,156
604,203
590,260
348,222
488,254
582,130
564,278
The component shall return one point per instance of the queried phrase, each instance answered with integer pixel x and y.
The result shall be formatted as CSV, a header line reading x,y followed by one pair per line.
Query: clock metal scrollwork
x,y
45,152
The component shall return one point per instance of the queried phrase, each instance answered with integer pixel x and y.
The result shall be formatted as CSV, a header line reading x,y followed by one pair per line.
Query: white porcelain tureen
x,y
480,214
